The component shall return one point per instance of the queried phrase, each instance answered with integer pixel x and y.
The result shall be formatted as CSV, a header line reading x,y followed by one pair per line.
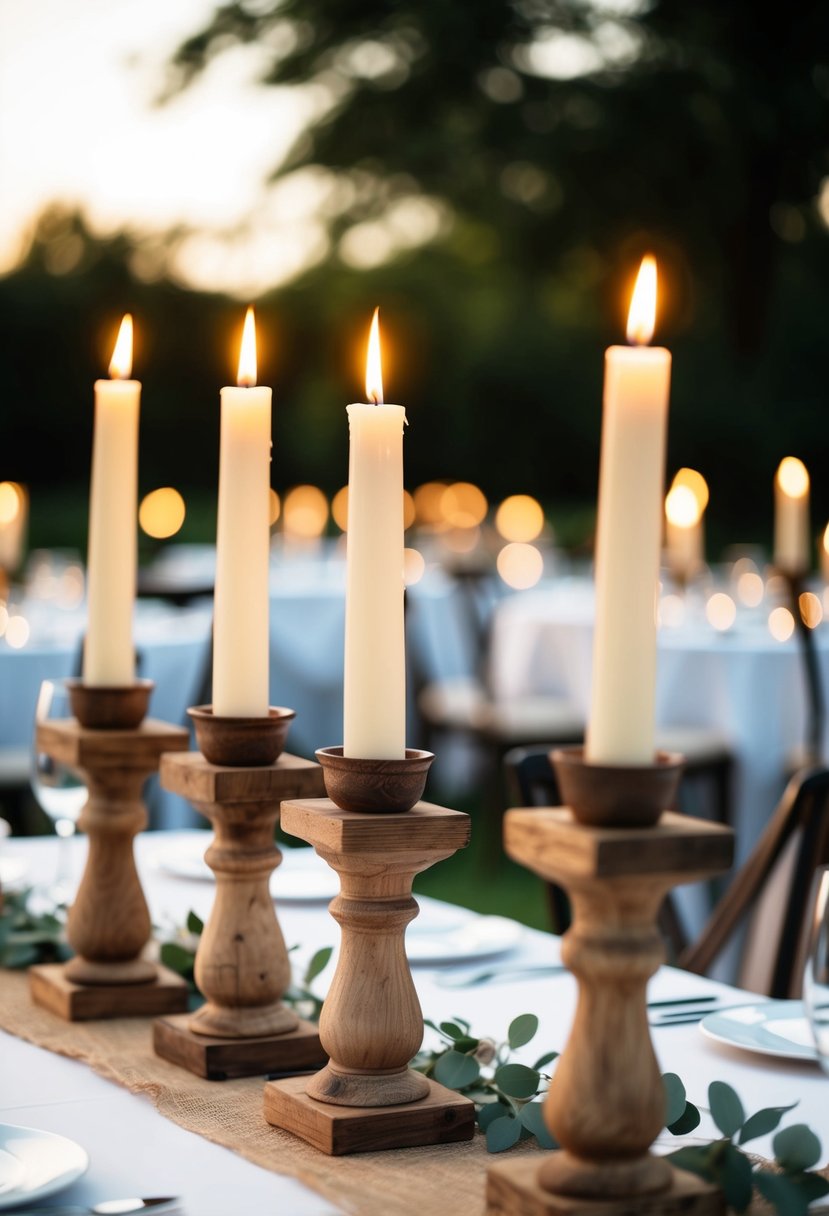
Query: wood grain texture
x,y
513,1190
220,1059
551,843
440,1117
51,987
605,1104
371,1023
109,923
242,965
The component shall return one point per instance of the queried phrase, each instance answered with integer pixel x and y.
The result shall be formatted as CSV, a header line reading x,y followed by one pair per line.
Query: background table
x,y
741,682
135,1151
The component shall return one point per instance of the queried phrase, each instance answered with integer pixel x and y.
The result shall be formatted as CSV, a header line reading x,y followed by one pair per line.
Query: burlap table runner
x,y
445,1181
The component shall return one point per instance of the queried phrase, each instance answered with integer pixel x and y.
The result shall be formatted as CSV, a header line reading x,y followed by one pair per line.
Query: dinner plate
x,y
302,876
771,1028
34,1164
478,938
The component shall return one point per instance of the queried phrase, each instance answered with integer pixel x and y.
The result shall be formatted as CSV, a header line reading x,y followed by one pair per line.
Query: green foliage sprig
x,y
179,954
505,1093
790,1189
28,936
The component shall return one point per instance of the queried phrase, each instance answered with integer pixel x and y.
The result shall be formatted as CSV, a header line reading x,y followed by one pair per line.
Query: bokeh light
x,y
793,477
781,624
274,507
811,609
17,632
520,518
414,566
696,483
721,611
162,513
11,500
409,512
826,539
750,589
305,512
463,505
4,619
520,565
427,500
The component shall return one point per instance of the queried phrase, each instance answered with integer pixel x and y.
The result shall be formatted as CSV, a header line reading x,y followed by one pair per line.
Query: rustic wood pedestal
x,y
109,922
605,1104
367,1097
242,965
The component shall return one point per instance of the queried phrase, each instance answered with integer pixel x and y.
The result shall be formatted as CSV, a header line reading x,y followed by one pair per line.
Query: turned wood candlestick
x,y
242,965
605,1105
367,1097
109,923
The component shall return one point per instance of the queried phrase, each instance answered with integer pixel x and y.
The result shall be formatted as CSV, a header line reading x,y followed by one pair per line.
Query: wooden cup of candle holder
x,y
367,1097
242,965
109,923
605,1104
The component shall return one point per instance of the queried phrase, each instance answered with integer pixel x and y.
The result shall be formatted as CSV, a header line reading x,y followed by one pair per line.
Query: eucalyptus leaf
x,y
503,1133
546,1059
517,1080
695,1158
522,1029
195,924
734,1175
488,1114
782,1193
796,1148
452,1030
532,1117
726,1108
763,1122
317,964
687,1121
674,1097
177,958
456,1070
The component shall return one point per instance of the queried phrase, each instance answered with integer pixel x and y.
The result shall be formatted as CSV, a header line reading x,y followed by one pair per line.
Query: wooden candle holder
x,y
109,922
242,965
605,1105
367,1097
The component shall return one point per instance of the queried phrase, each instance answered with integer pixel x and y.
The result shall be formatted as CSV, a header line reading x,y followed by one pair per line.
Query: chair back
x,y
770,894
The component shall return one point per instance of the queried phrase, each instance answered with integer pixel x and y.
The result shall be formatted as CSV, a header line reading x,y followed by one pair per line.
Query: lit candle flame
x,y
246,376
374,367
642,315
793,477
120,367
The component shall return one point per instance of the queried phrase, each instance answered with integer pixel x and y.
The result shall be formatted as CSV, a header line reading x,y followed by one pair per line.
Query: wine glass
x,y
816,977
60,790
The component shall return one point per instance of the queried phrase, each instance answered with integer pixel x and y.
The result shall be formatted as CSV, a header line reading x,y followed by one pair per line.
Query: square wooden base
x,y
512,1190
50,988
219,1059
442,1117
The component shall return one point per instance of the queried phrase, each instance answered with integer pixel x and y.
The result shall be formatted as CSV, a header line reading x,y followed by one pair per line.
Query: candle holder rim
x,y
335,758
357,784
80,682
276,713
573,755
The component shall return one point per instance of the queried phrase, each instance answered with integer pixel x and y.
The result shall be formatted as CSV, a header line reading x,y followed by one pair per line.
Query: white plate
x,y
12,870
480,938
302,877
772,1028
34,1164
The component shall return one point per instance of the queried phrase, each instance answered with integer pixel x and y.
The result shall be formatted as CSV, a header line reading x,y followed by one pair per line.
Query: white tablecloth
x,y
742,683
134,1150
